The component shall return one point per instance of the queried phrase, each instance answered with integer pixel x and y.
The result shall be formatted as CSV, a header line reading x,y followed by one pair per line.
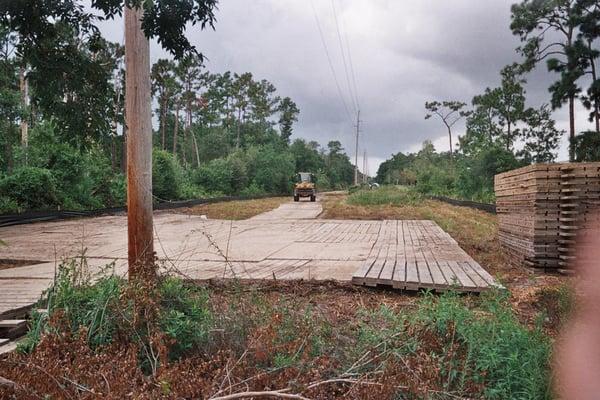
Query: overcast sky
x,y
403,53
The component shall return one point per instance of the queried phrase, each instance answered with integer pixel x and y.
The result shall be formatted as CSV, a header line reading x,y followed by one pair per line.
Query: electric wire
x,y
353,75
340,42
337,84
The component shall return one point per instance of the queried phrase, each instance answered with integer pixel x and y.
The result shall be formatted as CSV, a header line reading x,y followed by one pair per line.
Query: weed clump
x,y
100,310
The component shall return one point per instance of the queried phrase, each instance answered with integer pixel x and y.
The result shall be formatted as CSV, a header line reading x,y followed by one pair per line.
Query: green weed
x,y
395,195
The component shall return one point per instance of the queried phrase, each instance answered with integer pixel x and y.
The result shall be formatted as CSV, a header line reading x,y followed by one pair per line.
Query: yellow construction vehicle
x,y
305,186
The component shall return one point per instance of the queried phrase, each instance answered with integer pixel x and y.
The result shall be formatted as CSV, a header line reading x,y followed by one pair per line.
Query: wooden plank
x,y
463,278
372,277
412,275
12,323
387,273
358,277
439,280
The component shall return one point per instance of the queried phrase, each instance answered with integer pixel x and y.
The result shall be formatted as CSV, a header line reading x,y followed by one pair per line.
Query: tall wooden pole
x,y
139,148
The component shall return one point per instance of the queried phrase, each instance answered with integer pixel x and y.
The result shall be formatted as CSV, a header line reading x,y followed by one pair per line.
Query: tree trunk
x,y
175,130
113,145
239,122
196,147
571,127
596,105
139,149
163,124
450,139
597,116
24,85
8,147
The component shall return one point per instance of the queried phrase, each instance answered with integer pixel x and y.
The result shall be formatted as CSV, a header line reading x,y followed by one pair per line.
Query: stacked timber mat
x,y
541,208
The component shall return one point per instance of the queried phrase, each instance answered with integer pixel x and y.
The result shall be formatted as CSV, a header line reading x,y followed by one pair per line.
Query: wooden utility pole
x,y
356,149
139,148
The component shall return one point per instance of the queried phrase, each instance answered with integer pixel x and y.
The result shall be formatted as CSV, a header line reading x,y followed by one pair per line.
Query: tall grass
x,y
386,195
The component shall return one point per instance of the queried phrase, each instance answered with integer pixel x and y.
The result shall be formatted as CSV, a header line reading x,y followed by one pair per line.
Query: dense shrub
x,y
30,188
167,176
475,178
322,181
216,175
185,316
436,179
274,170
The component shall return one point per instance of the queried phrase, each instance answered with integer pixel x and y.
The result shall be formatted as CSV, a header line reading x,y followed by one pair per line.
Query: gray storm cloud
x,y
404,53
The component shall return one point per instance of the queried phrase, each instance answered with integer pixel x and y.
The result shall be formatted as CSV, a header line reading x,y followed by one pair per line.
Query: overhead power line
x,y
351,63
340,42
337,84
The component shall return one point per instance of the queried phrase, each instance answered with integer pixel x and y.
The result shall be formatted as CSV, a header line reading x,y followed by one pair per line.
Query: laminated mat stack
x,y
540,209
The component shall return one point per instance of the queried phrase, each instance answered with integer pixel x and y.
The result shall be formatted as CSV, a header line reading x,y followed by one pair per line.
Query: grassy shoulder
x,y
323,341
237,210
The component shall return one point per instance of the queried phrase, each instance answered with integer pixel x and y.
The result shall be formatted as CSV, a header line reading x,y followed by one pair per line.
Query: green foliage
x,y
541,136
185,316
391,171
306,156
167,176
449,112
93,310
322,181
30,188
72,178
99,309
586,146
340,170
274,170
218,133
392,195
511,360
224,175
475,178
252,190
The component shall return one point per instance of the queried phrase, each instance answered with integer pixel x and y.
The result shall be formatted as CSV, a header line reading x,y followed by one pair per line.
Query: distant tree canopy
x,y
502,133
217,132
69,65
563,33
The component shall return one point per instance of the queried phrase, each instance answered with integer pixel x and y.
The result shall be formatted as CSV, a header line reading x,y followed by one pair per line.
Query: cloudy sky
x,y
403,53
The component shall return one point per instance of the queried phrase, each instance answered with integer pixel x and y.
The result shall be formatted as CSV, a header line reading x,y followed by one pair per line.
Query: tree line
x,y
64,134
503,131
